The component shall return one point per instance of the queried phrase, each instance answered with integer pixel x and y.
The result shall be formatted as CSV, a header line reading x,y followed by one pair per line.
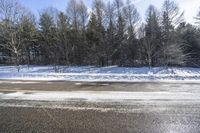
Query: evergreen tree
x,y
172,48
63,39
131,17
110,32
191,38
119,53
107,35
151,43
77,12
92,40
99,10
48,39
28,32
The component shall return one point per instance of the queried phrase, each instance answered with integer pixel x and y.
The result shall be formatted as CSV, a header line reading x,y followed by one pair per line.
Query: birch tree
x,y
151,43
11,13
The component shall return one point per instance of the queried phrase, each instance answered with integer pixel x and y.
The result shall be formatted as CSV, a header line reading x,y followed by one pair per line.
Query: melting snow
x,y
94,96
104,74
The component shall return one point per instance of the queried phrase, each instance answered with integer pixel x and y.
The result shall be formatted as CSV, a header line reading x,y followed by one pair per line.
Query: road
x,y
59,107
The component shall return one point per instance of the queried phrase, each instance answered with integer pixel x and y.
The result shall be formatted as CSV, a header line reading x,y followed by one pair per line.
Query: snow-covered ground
x,y
103,74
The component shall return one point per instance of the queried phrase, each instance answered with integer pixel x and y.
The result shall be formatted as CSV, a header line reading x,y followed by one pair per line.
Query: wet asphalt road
x,y
131,108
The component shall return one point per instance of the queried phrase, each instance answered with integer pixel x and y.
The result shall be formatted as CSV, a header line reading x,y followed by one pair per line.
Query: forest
x,y
110,33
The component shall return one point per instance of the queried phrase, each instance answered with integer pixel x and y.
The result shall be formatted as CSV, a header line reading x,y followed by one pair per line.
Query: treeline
x,y
111,33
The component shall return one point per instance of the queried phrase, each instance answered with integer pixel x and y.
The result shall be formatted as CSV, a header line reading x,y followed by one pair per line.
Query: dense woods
x,y
112,33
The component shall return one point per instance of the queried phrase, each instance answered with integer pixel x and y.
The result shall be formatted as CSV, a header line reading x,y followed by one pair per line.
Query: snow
x,y
103,101
102,96
101,74
18,82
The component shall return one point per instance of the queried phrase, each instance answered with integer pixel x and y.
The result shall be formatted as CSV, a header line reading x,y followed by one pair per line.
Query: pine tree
x,y
48,40
63,39
191,38
77,12
28,31
110,32
131,17
92,40
99,10
151,43
119,53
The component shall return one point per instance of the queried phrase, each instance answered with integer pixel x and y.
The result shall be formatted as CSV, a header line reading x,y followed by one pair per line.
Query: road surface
x,y
59,107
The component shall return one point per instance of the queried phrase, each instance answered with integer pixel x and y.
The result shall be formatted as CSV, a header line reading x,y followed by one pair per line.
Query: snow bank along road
x,y
31,106
103,74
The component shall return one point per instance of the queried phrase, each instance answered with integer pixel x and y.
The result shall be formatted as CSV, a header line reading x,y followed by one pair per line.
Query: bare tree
x,y
197,18
119,5
109,14
53,12
172,12
132,16
11,13
171,17
99,9
83,14
73,14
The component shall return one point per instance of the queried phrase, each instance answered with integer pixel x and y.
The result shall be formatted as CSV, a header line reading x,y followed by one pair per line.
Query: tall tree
x,y
72,13
132,18
11,13
28,32
63,39
120,39
48,39
92,40
151,42
172,48
77,13
99,11
82,45
198,18
111,31
83,14
110,34
190,36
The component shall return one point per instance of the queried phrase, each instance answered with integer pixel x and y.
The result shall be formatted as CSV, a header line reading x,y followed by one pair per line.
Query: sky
x,y
190,7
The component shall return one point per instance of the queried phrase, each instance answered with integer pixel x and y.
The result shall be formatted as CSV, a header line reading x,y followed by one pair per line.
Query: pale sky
x,y
189,6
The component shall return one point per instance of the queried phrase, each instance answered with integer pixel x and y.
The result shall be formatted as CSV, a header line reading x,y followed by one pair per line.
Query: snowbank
x,y
101,74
